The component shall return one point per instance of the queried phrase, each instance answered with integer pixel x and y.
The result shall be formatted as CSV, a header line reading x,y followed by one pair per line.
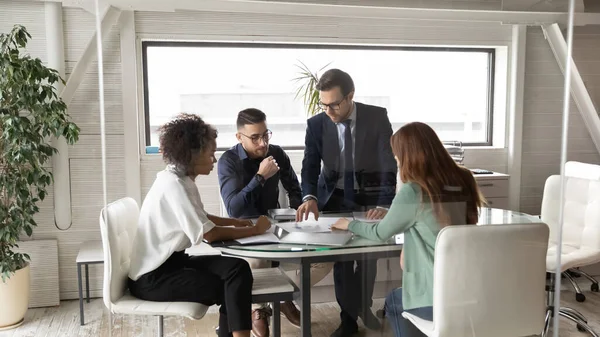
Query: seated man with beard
x,y
249,176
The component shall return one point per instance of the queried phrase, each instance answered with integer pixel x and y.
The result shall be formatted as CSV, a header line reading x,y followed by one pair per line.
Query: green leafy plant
x,y
308,88
31,113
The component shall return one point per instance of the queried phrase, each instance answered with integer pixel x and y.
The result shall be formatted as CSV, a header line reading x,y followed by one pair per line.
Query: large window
x,y
451,89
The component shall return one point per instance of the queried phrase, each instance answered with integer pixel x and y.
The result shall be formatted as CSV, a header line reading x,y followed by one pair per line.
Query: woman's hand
x,y
262,225
341,224
376,213
243,223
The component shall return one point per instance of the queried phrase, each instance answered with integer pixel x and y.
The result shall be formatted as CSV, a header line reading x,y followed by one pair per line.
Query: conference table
x,y
357,248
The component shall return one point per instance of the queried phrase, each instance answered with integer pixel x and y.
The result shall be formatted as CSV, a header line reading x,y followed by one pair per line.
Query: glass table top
x,y
488,216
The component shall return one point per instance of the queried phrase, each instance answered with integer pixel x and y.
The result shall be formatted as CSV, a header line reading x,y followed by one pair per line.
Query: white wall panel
x,y
445,4
89,146
32,16
265,26
542,117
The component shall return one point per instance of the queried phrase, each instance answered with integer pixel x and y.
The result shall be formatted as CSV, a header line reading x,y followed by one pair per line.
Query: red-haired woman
x,y
436,192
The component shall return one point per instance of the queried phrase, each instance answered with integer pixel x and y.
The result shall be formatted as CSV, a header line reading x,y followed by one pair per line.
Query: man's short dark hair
x,y
250,116
336,78
183,136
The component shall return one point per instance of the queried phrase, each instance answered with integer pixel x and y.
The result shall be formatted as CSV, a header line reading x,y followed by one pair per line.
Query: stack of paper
x,y
267,237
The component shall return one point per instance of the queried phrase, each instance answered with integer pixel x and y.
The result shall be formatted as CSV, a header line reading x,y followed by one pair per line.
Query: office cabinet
x,y
494,188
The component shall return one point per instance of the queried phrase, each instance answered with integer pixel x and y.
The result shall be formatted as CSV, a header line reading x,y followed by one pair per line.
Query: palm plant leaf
x,y
307,88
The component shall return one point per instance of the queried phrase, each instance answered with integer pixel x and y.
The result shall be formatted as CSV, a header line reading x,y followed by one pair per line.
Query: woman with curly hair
x,y
172,218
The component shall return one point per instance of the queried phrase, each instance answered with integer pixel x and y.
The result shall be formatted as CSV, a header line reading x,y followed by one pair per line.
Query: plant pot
x,y
14,296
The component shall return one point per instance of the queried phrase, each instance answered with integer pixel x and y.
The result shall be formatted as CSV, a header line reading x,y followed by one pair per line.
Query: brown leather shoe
x,y
260,322
289,310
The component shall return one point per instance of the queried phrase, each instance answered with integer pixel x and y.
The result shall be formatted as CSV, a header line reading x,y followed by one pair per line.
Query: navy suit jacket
x,y
374,164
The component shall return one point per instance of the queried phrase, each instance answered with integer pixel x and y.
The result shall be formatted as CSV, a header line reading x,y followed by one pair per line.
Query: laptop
x,y
282,214
320,239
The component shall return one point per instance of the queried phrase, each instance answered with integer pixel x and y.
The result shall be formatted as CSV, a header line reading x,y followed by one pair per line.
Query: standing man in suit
x,y
348,166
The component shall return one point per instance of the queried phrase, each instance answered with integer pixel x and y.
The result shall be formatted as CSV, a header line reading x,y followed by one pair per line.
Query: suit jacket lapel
x,y
360,135
331,145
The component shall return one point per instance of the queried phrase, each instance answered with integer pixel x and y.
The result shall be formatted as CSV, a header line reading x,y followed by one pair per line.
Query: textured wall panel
x,y
542,113
44,285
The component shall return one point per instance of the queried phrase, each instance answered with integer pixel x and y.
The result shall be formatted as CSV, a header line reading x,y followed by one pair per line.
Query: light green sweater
x,y
416,220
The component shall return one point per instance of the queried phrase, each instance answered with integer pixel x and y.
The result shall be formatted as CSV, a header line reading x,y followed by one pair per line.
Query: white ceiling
x,y
507,5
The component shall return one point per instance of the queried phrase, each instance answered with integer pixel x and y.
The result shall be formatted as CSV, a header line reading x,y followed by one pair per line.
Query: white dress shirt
x,y
341,128
172,218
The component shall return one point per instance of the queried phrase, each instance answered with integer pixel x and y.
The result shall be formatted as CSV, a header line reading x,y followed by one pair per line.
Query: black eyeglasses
x,y
335,106
256,138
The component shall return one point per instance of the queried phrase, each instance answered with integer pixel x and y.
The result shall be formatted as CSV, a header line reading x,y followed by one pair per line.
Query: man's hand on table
x,y
307,207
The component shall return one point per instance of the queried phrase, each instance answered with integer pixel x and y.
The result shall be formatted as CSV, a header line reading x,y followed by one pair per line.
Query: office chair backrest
x,y
118,224
582,170
581,221
489,280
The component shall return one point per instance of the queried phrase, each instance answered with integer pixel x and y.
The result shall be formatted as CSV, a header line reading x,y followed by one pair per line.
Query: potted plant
x,y
308,88
31,113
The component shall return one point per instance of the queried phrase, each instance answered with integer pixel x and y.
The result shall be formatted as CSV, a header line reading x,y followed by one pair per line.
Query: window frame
x,y
491,78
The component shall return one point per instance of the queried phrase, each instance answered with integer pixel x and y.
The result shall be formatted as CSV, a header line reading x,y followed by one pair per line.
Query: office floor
x,y
64,321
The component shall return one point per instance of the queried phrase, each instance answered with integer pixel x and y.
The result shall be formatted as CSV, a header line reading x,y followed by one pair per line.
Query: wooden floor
x,y
64,321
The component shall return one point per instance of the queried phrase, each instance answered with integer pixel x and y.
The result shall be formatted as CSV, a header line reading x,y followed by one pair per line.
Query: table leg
x,y
276,319
305,327
81,319
87,283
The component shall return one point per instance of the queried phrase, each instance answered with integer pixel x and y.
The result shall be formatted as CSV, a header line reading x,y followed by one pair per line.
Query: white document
x,y
262,238
323,225
304,227
267,237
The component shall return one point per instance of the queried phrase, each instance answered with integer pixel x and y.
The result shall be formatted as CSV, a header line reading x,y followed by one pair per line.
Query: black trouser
x,y
354,282
209,280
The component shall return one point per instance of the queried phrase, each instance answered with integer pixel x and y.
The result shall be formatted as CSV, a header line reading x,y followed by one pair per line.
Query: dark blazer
x,y
375,166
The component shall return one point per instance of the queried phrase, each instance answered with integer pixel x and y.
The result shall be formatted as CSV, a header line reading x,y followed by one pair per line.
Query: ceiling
x,y
587,6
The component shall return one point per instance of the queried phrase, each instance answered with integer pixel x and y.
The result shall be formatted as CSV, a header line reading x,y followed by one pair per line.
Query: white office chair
x,y
504,296
580,244
591,172
118,223
581,226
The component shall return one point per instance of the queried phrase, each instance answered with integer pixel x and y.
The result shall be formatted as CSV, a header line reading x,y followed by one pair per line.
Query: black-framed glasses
x,y
256,138
335,106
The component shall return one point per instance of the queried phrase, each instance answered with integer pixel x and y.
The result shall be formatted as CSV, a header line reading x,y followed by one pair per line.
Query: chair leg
x,y
581,326
159,331
547,321
580,297
575,313
594,287
87,283
80,290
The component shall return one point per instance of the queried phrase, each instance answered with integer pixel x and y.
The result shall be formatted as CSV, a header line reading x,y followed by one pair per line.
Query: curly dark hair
x,y
183,136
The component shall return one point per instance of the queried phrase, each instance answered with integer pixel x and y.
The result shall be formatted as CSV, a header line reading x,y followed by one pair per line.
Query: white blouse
x,y
172,219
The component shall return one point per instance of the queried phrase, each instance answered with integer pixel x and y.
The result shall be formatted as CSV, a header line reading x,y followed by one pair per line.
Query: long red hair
x,y
423,160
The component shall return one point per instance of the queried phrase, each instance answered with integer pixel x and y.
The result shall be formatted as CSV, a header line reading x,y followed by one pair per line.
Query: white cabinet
x,y
494,188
